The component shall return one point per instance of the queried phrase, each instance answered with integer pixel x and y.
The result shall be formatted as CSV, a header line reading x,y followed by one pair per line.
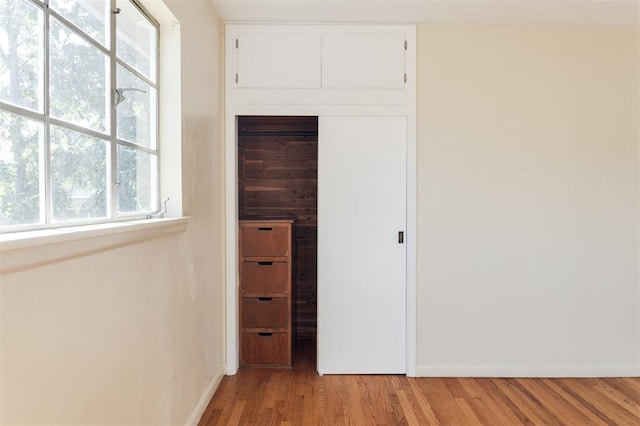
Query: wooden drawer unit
x,y
265,277
265,240
266,271
265,312
266,349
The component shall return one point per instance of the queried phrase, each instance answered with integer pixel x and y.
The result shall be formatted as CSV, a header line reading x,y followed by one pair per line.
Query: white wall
x,y
528,200
133,335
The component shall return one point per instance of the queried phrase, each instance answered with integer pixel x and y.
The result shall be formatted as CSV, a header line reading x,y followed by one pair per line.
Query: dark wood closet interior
x,y
278,178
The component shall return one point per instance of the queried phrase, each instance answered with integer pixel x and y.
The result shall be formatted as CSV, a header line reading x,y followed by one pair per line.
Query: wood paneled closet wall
x,y
278,178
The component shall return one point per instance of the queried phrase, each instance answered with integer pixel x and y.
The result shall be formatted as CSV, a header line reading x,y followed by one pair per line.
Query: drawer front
x,y
265,241
265,348
265,312
265,277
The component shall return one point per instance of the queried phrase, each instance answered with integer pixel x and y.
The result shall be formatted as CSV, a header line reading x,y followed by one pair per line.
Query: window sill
x,y
26,250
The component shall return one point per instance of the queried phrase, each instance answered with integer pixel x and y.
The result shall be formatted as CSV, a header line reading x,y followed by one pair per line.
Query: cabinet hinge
x,y
406,45
236,78
237,43
405,77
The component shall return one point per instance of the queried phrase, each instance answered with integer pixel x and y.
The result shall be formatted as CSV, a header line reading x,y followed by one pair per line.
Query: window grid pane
x,y
78,176
136,39
22,58
137,180
136,111
91,16
79,75
20,170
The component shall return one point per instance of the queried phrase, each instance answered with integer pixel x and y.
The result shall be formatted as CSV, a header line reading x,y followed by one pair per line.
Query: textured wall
x,y
133,335
528,200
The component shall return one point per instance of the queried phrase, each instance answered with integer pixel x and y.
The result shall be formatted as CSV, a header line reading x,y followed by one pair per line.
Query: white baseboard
x,y
598,370
198,411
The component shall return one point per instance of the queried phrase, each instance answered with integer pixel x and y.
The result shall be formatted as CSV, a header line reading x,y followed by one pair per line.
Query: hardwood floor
x,y
301,397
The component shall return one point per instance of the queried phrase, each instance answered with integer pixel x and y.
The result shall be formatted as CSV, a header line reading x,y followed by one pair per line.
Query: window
x,y
78,112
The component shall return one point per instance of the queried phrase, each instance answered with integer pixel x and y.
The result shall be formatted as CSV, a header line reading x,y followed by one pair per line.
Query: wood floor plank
x,y
370,399
595,395
410,415
567,414
238,409
423,403
466,412
592,417
490,387
466,402
443,402
569,387
535,400
488,406
299,396
632,384
633,407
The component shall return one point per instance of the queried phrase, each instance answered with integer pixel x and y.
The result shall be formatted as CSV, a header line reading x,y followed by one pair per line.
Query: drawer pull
x,y
265,334
265,229
265,263
264,299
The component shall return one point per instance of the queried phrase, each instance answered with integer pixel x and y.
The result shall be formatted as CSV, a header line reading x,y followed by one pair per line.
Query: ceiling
x,y
590,12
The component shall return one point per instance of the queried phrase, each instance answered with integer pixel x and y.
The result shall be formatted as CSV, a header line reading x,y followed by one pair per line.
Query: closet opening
x,y
278,182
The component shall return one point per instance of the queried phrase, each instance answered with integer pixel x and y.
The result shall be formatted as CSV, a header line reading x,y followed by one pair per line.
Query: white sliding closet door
x,y
361,262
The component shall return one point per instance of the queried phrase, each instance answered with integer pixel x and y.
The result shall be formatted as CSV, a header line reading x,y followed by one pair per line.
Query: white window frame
x,y
111,137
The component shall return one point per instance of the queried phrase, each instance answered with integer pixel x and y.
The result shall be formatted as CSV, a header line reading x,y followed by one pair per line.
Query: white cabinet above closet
x,y
367,61
278,60
320,57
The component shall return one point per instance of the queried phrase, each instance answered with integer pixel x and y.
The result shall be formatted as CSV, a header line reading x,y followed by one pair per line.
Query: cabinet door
x,y
279,60
361,260
363,61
